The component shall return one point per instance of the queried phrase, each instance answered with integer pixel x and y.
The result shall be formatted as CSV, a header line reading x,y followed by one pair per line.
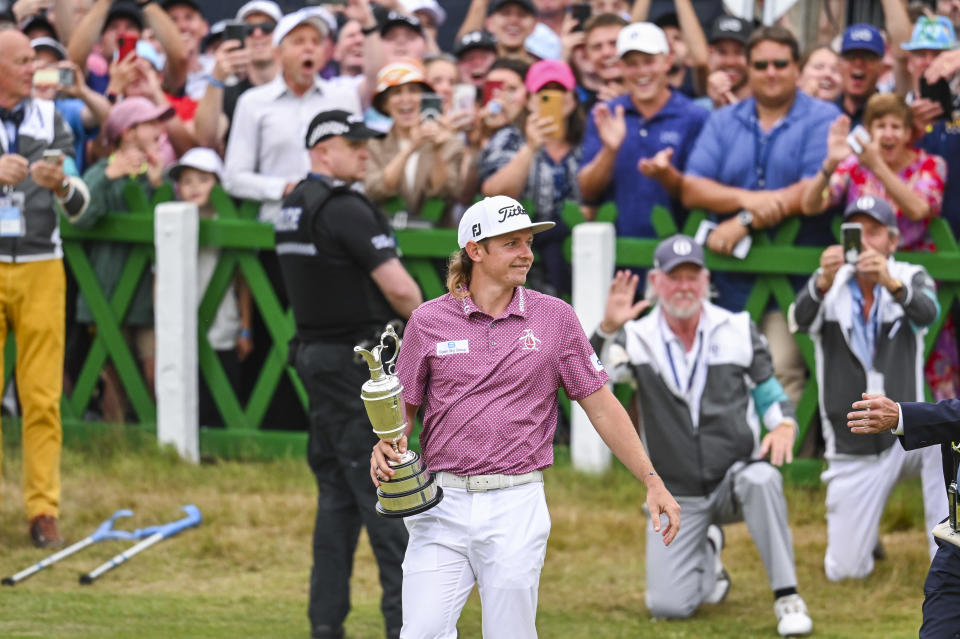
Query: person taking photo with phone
x,y
544,166
35,185
420,156
867,314
911,180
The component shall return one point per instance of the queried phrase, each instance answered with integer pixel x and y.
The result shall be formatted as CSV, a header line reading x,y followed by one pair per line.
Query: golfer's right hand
x,y
382,452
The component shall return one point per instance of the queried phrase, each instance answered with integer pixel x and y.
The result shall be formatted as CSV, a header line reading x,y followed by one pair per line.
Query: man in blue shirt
x,y
752,159
636,145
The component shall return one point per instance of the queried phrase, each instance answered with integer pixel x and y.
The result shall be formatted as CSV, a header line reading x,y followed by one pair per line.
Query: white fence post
x,y
175,318
594,253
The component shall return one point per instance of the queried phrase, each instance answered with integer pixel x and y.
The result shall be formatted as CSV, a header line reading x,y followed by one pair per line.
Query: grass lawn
x,y
244,571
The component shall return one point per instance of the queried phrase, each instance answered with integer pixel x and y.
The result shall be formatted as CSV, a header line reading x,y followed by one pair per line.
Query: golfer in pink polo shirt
x,y
485,361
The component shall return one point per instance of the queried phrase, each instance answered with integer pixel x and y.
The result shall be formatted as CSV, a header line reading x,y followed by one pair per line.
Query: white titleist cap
x,y
644,37
266,7
494,216
316,16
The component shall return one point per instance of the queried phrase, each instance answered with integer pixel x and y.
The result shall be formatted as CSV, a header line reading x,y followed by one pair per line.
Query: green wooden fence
x,y
239,236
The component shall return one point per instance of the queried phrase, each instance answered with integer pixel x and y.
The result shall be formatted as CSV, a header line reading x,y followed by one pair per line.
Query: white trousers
x,y
857,491
495,539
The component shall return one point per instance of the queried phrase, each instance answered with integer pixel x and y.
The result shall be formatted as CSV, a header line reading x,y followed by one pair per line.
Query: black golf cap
x,y
38,21
480,39
394,19
125,9
677,250
169,4
730,28
876,207
667,19
527,5
328,124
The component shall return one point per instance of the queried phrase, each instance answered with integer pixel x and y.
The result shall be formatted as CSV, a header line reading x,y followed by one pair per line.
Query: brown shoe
x,y
43,532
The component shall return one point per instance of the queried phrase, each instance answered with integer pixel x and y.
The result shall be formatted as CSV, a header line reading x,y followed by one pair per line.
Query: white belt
x,y
483,483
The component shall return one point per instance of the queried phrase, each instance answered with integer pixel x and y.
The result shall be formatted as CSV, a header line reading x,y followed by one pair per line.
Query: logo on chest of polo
x,y
529,341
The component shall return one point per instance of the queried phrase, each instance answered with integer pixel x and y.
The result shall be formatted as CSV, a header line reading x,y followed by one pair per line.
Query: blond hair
x,y
459,269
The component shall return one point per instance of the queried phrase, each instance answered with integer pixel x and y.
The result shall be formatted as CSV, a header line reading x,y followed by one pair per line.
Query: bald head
x,y
16,67
11,38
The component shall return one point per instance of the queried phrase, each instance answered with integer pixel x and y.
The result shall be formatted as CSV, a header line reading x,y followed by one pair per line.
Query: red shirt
x,y
489,385
184,106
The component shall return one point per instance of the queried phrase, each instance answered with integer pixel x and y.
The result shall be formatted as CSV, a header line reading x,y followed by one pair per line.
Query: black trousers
x,y
941,604
340,441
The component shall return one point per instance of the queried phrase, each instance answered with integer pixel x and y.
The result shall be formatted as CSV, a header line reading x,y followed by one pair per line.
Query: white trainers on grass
x,y
792,617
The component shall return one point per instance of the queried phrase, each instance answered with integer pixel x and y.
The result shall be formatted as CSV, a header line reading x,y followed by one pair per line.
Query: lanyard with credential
x,y
693,370
874,322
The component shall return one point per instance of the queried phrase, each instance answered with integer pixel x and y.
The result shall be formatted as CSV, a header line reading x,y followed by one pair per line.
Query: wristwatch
x,y
745,218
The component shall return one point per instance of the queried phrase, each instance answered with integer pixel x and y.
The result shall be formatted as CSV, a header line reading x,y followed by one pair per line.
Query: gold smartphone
x,y
550,104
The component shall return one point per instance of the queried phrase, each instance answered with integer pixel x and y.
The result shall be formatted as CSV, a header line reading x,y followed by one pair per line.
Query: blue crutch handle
x,y
192,519
106,531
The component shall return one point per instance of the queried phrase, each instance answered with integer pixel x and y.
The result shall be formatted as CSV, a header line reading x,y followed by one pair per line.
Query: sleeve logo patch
x,y
597,364
453,347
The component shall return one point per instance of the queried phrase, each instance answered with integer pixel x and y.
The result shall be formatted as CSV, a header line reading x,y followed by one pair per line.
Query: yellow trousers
x,y
32,305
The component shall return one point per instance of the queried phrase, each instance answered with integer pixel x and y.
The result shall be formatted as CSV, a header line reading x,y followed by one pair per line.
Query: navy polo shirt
x,y
733,150
944,140
675,125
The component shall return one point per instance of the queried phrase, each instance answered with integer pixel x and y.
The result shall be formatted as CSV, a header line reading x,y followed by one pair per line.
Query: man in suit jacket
x,y
918,425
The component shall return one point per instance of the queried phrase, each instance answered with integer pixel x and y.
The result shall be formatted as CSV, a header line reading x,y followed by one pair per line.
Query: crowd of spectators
x,y
545,100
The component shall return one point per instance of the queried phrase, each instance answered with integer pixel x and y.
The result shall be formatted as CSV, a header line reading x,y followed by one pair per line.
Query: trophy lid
x,y
374,356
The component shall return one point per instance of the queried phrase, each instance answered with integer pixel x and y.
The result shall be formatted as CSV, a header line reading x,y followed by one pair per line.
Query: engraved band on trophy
x,y
412,489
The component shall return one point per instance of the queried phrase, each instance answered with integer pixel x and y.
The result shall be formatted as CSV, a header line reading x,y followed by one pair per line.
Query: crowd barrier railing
x,y
239,236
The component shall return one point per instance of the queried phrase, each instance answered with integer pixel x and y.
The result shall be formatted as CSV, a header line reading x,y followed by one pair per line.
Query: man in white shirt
x,y
265,158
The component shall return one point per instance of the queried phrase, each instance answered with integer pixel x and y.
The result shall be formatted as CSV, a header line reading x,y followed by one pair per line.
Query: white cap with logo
x,y
319,17
494,216
644,37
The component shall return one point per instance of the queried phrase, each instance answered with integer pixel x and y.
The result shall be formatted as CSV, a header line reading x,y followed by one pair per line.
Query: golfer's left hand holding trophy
x,y
412,489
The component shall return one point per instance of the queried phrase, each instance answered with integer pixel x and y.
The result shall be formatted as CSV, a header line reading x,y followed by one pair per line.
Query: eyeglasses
x,y
267,27
761,65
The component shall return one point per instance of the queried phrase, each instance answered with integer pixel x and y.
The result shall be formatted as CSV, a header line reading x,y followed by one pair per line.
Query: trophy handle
x,y
390,365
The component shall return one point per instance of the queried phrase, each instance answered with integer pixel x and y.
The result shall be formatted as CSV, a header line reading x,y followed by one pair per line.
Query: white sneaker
x,y
792,617
722,585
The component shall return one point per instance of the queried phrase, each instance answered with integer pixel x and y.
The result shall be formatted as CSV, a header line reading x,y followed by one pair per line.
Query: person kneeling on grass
x,y
486,361
230,332
704,379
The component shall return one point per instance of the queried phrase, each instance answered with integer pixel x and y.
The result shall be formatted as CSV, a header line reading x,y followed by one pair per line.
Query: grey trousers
x,y
681,576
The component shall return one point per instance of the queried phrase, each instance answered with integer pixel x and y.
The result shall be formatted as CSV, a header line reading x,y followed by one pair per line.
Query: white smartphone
x,y
464,98
857,138
52,156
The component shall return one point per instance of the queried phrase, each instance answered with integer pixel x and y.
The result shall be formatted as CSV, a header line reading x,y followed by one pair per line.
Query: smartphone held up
x,y
851,234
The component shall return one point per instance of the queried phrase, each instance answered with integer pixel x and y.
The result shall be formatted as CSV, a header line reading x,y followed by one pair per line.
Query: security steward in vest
x,y
345,281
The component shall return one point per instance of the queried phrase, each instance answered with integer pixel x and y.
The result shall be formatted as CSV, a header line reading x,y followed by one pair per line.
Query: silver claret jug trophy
x,y
412,489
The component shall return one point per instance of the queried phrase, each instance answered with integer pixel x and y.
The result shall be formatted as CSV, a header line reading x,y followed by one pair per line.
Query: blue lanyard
x,y
693,370
872,328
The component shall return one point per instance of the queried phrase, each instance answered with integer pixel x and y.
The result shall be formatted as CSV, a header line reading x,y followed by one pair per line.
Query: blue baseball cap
x,y
863,37
932,34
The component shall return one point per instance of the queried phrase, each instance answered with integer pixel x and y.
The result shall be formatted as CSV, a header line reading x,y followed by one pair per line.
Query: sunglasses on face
x,y
761,65
267,27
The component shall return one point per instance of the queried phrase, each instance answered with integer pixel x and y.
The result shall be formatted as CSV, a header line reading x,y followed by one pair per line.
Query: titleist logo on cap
x,y
510,211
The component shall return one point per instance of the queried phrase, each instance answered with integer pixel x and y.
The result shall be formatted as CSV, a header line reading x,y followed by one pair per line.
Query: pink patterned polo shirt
x,y
489,385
